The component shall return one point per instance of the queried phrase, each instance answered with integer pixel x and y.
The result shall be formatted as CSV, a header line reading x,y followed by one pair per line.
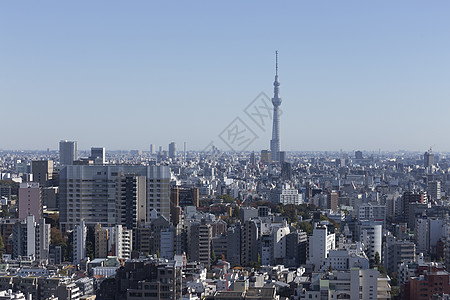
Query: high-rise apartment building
x,y
434,190
172,150
200,243
120,241
320,243
101,241
31,239
30,200
68,152
90,193
131,201
42,172
79,242
333,200
370,234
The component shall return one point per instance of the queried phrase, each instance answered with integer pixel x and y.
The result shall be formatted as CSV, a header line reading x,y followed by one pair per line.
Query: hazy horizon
x,y
353,75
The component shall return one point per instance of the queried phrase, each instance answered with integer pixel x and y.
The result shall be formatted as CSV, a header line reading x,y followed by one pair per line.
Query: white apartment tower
x,y
79,242
320,243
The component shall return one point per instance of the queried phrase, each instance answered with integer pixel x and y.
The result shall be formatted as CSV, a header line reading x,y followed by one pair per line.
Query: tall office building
x,y
434,190
371,237
333,200
42,172
172,150
428,159
101,241
90,193
98,155
200,243
152,149
68,152
276,101
30,200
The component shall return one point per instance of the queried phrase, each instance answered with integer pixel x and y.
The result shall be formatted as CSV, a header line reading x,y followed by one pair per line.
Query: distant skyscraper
x,y
98,155
428,159
67,152
152,149
358,155
172,150
276,101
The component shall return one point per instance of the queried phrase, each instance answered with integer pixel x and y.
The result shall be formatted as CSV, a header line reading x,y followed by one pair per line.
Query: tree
x,y
56,237
213,257
236,212
306,227
377,258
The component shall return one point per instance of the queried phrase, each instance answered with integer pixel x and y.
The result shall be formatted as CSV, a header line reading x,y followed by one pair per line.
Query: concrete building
x,y
30,200
31,239
352,284
131,201
370,235
397,252
428,159
296,248
167,243
120,241
333,200
434,190
101,241
371,212
98,155
156,279
200,243
233,255
320,243
172,150
79,242
249,242
42,172
90,193
68,152
285,195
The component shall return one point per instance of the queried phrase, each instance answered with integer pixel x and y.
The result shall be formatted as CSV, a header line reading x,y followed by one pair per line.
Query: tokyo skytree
x,y
276,101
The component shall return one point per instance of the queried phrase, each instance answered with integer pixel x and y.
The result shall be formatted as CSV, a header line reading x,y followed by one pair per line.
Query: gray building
x,y
89,193
131,201
233,255
172,150
200,243
68,152
42,172
98,155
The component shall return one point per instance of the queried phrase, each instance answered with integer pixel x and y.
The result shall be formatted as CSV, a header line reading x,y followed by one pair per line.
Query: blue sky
x,y
354,74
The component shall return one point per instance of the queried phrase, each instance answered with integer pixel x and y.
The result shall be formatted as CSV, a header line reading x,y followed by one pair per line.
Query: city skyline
x,y
377,85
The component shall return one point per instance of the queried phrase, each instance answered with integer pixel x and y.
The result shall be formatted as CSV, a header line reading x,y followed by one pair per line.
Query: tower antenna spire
x,y
276,62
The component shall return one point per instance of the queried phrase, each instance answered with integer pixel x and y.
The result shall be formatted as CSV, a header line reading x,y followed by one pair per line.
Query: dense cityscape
x,y
222,224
